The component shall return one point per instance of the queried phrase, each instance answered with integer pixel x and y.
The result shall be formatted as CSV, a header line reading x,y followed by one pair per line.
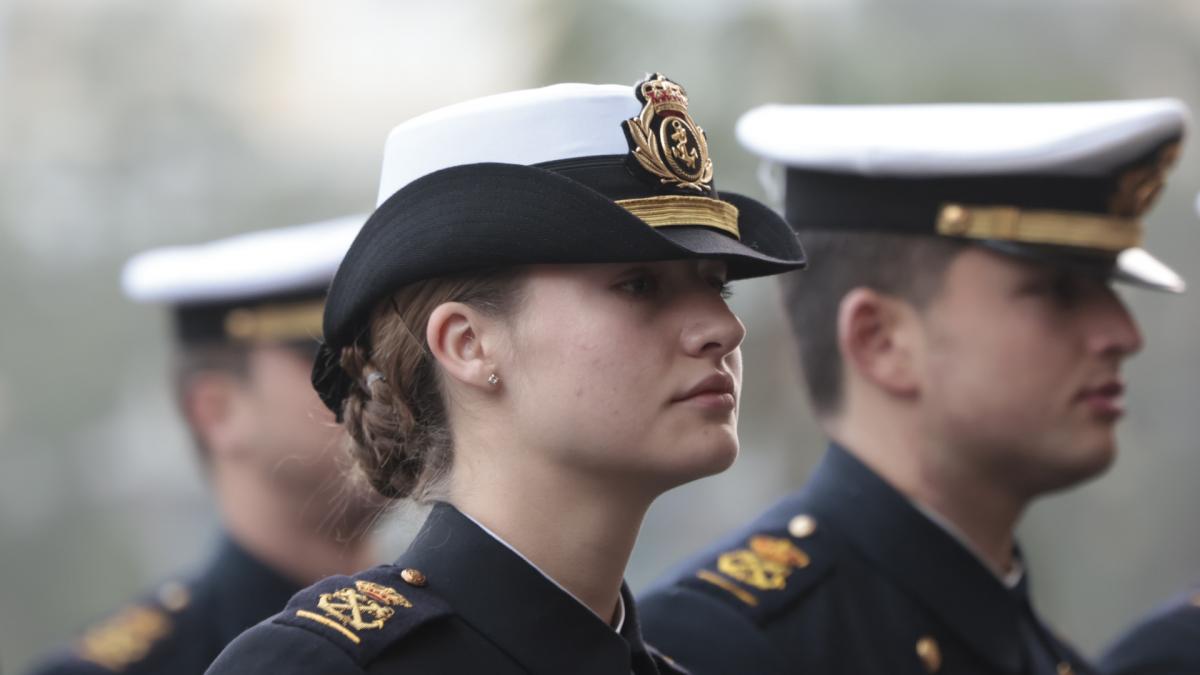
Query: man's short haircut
x,y
904,266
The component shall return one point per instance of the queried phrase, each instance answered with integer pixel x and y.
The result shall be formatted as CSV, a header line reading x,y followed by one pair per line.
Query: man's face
x,y
287,435
1020,370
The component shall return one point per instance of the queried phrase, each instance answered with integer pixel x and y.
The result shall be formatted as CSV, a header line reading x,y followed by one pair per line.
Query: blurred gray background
x,y
127,124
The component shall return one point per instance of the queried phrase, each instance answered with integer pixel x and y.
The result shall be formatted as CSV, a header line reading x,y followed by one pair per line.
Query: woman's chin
x,y
704,459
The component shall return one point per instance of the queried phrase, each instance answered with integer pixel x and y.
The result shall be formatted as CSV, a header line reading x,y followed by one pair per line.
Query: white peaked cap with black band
x,y
258,286
531,126
570,173
1063,182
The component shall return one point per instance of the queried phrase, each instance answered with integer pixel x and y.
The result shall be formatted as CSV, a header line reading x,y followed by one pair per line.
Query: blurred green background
x,y
127,124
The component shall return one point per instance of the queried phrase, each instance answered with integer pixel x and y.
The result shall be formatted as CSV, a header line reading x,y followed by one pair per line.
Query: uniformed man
x,y
961,346
247,314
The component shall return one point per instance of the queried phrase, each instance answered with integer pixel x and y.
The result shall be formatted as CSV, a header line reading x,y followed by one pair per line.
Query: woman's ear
x,y
876,336
457,337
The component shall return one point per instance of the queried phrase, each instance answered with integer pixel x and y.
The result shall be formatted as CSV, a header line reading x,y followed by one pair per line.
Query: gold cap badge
x,y
1139,186
665,141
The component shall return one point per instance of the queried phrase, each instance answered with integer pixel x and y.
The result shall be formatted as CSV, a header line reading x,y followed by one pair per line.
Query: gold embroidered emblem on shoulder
x,y
367,606
779,550
124,639
385,594
765,564
665,140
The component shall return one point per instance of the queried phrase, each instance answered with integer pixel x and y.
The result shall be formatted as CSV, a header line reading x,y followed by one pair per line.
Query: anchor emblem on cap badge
x,y
665,140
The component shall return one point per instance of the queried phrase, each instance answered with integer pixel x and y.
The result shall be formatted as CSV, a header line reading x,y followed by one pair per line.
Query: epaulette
x,y
127,637
768,569
366,613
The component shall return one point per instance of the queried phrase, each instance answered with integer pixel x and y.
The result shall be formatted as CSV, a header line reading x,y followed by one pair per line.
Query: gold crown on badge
x,y
665,140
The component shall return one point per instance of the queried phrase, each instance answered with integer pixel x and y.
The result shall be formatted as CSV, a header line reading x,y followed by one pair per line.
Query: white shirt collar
x,y
618,621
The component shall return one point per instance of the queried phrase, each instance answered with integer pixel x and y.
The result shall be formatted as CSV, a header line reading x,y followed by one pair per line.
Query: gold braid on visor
x,y
271,323
1055,228
682,210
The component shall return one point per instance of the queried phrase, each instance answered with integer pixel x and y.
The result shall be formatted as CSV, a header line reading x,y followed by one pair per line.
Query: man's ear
x,y
876,337
457,335
210,402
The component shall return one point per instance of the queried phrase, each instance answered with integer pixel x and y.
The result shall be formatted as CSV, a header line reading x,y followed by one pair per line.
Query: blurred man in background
x,y
247,315
961,346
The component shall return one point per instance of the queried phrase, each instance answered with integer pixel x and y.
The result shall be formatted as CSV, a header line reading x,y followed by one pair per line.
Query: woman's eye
x,y
722,287
640,285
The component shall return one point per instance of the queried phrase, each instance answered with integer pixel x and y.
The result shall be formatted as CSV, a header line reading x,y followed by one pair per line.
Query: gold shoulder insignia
x,y
778,550
765,563
364,615
366,606
124,638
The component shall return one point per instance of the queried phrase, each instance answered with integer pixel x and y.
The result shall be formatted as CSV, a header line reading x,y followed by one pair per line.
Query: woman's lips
x,y
715,392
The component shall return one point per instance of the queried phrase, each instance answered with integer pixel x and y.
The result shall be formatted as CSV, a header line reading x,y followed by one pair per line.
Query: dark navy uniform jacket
x,y
1165,643
181,627
459,601
848,577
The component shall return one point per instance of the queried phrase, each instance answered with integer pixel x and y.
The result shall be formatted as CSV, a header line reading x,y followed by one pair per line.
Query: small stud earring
x,y
493,379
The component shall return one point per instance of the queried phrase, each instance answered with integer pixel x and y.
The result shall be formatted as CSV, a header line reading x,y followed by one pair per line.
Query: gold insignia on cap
x,y
1121,228
367,606
930,654
1138,186
1065,668
666,142
125,638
